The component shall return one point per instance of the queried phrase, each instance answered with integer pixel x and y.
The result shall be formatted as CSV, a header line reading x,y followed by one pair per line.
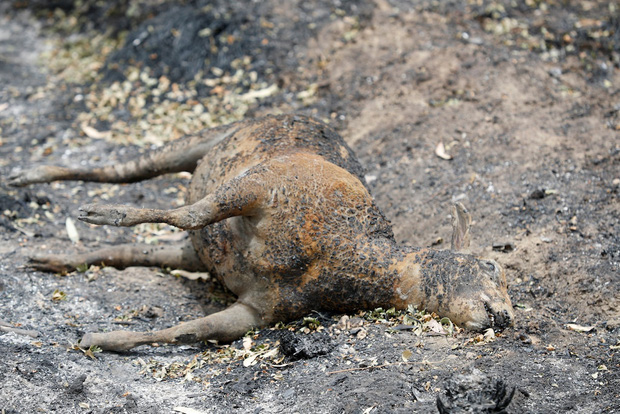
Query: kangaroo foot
x,y
52,263
40,174
114,214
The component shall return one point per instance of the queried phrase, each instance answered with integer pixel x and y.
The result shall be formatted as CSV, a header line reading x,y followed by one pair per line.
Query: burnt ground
x,y
523,95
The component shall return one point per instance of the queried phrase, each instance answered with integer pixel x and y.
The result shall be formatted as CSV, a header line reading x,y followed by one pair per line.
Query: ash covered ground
x,y
523,95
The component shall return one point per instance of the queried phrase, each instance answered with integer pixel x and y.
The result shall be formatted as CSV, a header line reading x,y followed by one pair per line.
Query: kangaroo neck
x,y
408,286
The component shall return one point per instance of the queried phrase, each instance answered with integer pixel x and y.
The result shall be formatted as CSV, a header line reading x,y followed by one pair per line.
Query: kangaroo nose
x,y
503,319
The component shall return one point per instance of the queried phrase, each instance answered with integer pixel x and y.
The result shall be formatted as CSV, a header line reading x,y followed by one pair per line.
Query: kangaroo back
x,y
263,139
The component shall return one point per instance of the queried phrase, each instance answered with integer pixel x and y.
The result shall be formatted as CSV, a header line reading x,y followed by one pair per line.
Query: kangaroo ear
x,y
461,222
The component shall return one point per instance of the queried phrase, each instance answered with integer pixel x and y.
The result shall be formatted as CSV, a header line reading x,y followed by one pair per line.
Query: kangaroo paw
x,y
50,263
111,214
110,341
40,174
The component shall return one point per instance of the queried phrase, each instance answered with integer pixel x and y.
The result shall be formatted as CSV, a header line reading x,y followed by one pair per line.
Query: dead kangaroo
x,y
277,209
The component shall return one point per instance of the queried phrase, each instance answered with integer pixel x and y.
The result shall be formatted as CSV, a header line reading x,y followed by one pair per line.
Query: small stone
x,y
288,393
299,346
77,385
505,247
537,194
612,324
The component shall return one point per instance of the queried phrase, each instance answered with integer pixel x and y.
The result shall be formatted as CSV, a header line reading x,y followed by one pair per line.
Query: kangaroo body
x,y
277,209
313,219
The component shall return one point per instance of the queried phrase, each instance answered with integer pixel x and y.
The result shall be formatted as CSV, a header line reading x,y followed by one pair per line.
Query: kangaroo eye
x,y
490,266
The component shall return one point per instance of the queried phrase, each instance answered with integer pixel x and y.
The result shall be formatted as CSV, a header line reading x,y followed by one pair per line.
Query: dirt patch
x,y
523,95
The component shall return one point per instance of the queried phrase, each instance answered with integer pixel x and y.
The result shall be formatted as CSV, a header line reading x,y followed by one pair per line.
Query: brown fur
x,y
279,212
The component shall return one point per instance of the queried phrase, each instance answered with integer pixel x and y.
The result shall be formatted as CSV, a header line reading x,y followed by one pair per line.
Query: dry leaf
x,y
271,353
406,355
362,333
435,327
259,94
251,360
150,138
89,353
489,335
72,231
254,357
440,151
58,295
579,328
191,275
588,23
93,133
343,323
187,410
247,343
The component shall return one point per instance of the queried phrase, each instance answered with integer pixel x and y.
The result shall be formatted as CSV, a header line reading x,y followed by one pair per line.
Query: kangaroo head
x,y
471,292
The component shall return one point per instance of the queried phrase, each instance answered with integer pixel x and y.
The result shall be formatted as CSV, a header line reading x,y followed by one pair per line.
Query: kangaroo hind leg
x,y
179,256
241,196
224,326
176,156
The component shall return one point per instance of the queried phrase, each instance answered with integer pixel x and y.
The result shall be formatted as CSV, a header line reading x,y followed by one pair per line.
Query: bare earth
x,y
534,136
